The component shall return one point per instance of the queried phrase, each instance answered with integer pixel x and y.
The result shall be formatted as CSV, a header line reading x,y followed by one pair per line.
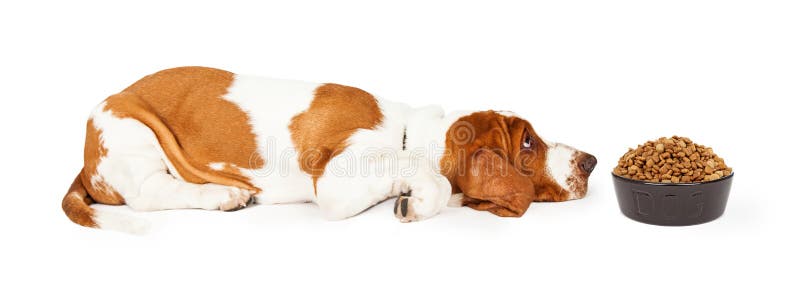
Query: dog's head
x,y
501,165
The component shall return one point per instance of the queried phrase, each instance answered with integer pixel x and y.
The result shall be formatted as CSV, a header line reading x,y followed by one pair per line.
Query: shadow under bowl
x,y
672,204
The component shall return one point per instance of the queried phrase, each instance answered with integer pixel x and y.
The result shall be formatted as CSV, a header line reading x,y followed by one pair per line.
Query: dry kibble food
x,y
672,160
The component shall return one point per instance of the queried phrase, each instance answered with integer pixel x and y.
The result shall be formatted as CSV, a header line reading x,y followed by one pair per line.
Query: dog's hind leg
x,y
161,191
133,165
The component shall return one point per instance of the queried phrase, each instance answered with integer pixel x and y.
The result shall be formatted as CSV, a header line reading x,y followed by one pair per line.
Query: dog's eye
x,y
527,141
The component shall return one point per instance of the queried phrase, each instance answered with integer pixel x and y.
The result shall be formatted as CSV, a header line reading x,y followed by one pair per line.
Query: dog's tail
x,y
76,205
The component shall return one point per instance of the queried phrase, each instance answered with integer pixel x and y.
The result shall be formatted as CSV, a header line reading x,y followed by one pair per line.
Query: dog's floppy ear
x,y
491,183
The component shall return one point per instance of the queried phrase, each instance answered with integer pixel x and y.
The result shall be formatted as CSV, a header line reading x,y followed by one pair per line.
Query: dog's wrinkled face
x,y
501,164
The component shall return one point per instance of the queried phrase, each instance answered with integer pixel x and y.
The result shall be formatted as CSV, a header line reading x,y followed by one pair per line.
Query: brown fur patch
x,y
321,132
502,136
76,204
194,124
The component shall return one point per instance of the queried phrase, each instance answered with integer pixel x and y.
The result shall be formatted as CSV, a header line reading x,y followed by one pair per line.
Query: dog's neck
x,y
426,130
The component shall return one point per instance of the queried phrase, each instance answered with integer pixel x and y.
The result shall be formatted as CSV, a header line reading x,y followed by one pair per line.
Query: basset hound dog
x,y
195,137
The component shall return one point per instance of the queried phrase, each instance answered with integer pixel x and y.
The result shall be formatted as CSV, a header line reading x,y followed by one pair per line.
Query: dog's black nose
x,y
587,163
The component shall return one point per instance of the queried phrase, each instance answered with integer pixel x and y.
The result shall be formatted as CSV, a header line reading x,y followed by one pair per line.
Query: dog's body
x,y
204,138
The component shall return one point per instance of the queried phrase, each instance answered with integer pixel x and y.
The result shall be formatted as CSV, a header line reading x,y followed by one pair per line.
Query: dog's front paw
x,y
425,197
404,209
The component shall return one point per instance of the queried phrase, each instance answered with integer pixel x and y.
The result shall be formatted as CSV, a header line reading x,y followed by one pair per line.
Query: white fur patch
x,y
130,147
112,220
507,113
456,200
217,166
427,129
270,104
559,163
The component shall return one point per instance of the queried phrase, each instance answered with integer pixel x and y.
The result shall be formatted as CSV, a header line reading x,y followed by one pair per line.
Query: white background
x,y
599,75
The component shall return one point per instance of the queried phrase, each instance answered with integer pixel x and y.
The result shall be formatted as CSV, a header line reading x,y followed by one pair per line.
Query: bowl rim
x,y
670,184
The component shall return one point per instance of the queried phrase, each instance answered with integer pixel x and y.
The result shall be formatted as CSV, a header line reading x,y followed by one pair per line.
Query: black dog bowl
x,y
672,204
